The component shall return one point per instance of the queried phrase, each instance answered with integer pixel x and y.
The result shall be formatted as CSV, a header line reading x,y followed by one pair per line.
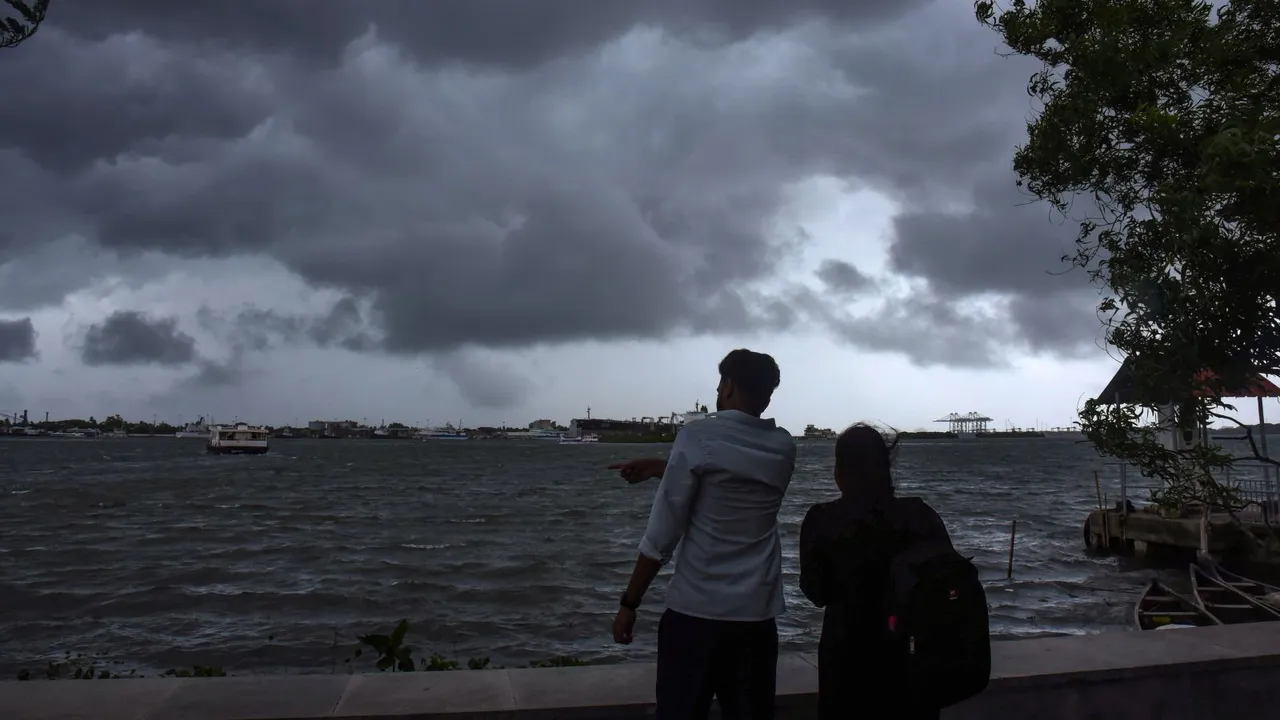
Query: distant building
x,y
336,428
542,425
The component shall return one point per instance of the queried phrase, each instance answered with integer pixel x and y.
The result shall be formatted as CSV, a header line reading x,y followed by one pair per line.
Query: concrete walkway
x,y
1186,674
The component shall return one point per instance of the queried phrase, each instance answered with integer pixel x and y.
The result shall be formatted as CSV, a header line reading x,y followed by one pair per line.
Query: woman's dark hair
x,y
865,460
755,374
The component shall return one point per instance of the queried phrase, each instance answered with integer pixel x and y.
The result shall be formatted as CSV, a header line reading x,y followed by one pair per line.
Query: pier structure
x,y
1206,673
966,424
1126,522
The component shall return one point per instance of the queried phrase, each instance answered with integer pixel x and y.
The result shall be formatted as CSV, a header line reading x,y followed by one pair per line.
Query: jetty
x,y
1187,674
1126,522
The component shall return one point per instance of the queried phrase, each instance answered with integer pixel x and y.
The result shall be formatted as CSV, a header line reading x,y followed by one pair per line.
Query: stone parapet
x,y
1185,674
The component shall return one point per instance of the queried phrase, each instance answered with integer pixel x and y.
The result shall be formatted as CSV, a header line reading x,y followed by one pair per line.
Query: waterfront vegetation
x,y
27,15
389,652
1158,133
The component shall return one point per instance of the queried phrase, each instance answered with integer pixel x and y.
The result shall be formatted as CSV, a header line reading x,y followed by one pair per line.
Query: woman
x,y
846,546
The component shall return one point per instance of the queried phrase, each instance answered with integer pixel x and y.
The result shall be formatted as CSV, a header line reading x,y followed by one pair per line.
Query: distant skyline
x,y
416,211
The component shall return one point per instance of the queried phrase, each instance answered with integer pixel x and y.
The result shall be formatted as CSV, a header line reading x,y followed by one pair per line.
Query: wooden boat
x,y
1161,607
1229,604
1248,586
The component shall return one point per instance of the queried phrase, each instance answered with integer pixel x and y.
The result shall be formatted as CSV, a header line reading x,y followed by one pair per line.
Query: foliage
x,y
393,654
30,13
1163,118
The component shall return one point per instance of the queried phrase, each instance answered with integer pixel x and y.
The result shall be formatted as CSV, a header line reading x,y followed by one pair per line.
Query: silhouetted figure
x,y
895,593
719,498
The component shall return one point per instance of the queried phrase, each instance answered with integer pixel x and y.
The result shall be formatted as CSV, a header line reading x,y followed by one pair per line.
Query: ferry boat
x,y
580,440
813,432
197,429
238,439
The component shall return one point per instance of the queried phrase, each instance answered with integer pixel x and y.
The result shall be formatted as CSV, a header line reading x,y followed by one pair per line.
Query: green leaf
x,y
397,635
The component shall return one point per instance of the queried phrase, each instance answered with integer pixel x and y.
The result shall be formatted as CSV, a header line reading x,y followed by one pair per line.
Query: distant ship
x,y
699,412
813,432
584,439
448,432
197,429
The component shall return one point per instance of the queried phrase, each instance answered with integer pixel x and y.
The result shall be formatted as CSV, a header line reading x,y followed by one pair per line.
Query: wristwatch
x,y
626,604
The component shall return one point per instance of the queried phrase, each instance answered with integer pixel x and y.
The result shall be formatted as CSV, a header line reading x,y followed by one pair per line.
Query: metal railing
x,y
1255,483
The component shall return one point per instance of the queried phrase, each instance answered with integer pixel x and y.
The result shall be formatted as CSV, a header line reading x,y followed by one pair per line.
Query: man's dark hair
x,y
754,374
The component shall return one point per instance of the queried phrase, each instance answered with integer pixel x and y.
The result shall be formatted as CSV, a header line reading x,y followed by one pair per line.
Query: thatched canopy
x,y
1121,391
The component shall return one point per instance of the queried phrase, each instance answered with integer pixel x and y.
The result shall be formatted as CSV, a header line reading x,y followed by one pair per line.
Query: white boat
x,y
448,432
442,435
197,429
238,439
698,413
581,440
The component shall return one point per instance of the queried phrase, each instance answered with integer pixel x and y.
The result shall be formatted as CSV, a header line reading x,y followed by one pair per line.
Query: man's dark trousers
x,y
732,661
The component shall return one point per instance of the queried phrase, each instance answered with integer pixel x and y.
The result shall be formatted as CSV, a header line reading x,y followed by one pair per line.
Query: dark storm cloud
x,y
841,277
1004,246
257,329
547,188
17,340
135,87
212,373
505,33
484,384
128,337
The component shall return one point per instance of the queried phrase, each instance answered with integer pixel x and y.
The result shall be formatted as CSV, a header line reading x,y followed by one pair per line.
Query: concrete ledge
x,y
1185,674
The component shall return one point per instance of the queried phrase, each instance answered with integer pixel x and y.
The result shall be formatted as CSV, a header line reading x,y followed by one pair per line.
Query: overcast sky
x,y
495,211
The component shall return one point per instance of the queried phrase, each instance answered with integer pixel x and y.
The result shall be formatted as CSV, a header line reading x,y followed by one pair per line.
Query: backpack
x,y
937,617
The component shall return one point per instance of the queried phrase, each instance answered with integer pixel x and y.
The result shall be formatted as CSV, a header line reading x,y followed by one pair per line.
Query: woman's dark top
x,y
845,551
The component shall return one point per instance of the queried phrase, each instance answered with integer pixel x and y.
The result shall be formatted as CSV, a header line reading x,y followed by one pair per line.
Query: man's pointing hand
x,y
634,471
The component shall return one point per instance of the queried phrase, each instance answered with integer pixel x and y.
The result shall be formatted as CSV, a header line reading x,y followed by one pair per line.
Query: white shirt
x,y
724,484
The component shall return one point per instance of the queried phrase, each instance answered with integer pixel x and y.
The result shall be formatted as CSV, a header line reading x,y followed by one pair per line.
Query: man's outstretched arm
x,y
634,471
669,516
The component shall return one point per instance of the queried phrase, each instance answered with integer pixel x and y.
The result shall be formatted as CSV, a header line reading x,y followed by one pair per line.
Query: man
x,y
719,497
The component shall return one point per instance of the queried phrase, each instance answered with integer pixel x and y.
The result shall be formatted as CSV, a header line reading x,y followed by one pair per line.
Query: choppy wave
x,y
154,553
